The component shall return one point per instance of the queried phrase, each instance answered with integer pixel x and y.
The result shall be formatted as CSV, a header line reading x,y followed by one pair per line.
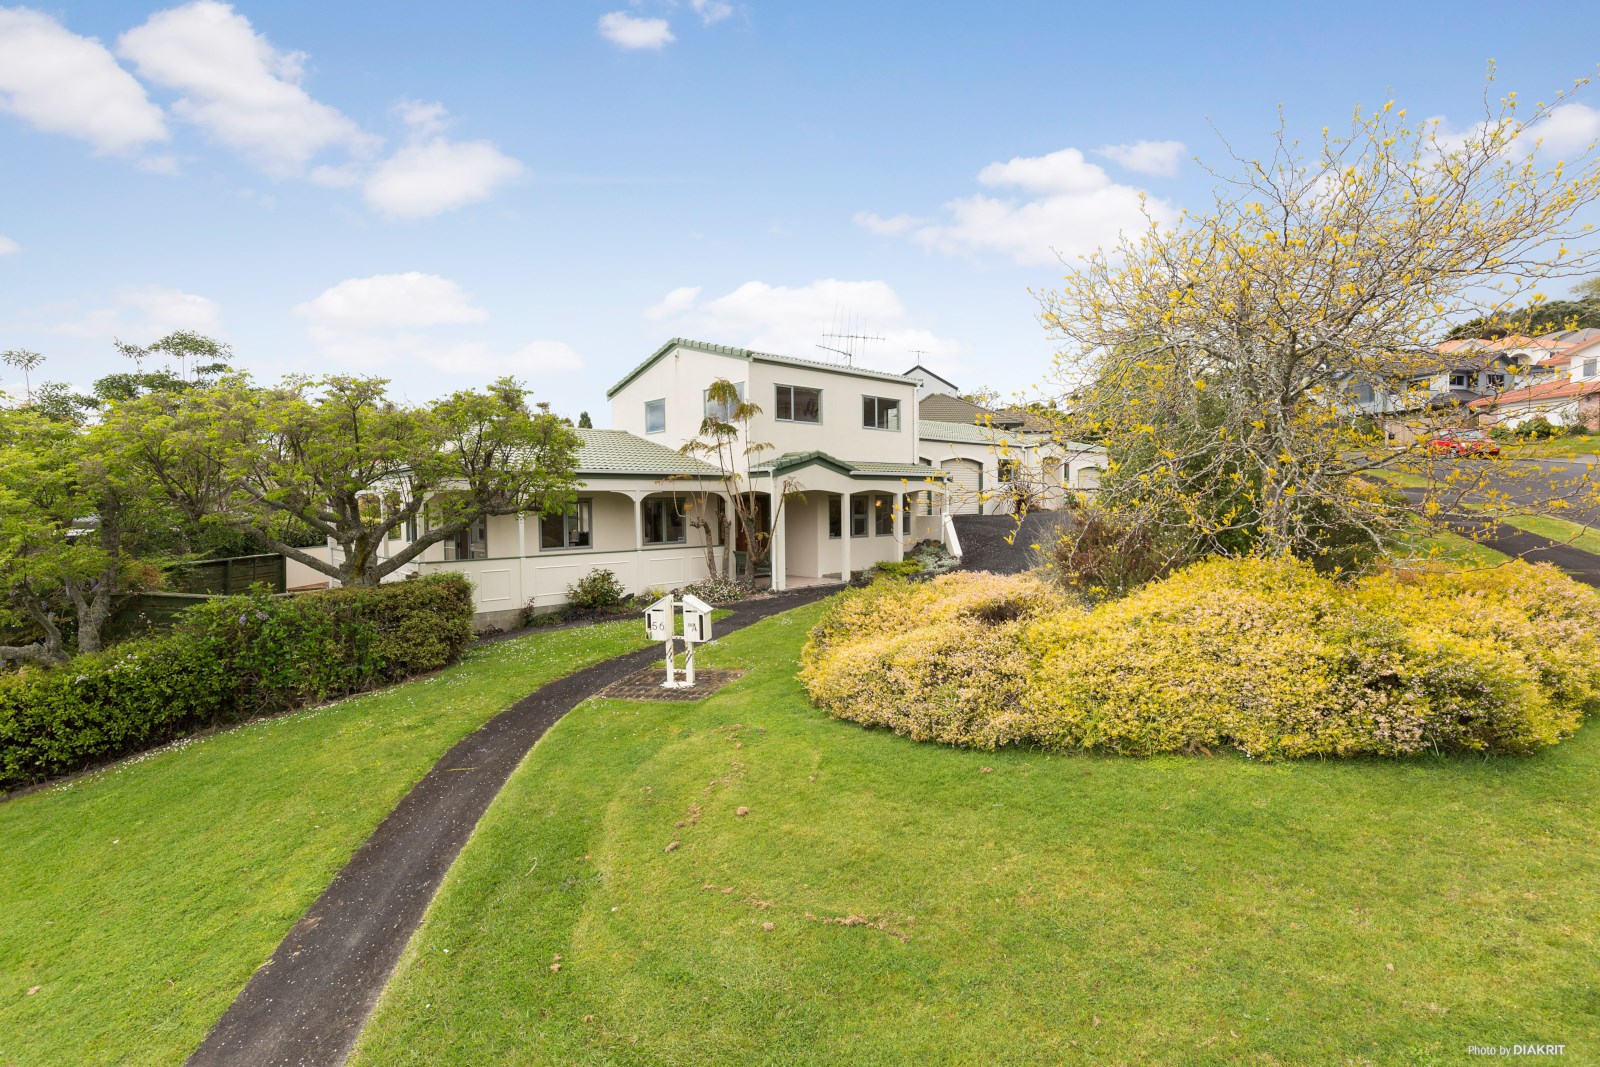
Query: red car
x,y
1463,443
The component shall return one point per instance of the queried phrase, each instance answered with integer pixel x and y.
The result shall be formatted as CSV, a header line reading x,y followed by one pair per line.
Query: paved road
x,y
306,1005
1541,483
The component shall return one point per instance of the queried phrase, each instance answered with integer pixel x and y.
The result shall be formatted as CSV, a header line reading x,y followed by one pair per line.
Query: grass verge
x,y
933,905
137,901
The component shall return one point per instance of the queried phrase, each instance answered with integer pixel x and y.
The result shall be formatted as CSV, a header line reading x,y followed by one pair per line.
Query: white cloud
x,y
163,164
394,320
62,83
237,87
389,300
8,247
711,10
898,226
435,175
631,31
144,313
424,118
792,320
1072,208
1158,158
674,303
1065,171
1568,128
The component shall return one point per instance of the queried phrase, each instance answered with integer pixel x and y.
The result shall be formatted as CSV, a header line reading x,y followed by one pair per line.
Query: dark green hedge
x,y
228,659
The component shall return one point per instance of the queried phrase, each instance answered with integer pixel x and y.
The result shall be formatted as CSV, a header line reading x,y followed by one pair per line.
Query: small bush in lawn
x,y
1537,429
935,661
596,591
899,568
933,557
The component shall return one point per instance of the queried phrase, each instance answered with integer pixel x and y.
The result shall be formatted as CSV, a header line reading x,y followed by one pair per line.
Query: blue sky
x,y
444,193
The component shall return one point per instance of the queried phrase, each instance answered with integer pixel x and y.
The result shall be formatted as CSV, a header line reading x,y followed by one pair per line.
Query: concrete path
x,y
306,1005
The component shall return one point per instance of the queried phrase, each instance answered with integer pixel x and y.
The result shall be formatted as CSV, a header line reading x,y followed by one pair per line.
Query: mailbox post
x,y
696,629
660,620
658,625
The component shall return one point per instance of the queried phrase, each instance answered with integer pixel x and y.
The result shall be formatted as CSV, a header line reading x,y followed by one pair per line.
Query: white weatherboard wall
x,y
841,433
680,378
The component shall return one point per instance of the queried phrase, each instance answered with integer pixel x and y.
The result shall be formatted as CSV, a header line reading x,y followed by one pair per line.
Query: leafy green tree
x,y
339,457
27,362
584,422
75,534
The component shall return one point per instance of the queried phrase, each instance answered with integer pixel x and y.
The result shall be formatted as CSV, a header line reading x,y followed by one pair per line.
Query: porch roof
x,y
620,452
854,468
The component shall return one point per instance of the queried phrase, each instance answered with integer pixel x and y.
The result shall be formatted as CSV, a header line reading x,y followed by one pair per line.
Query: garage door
x,y
966,482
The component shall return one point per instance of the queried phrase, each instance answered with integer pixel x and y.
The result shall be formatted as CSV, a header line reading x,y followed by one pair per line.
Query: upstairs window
x,y
880,413
1364,394
655,416
796,403
568,529
1461,380
663,523
1497,380
1590,366
722,412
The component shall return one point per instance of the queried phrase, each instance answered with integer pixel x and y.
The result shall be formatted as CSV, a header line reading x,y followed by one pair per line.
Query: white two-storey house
x,y
850,473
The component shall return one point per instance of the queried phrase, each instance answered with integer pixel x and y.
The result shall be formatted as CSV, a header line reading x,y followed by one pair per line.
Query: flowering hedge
x,y
936,661
226,660
1264,656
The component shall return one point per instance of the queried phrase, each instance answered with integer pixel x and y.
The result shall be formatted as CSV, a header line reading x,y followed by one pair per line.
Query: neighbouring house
x,y
867,475
1568,395
1462,378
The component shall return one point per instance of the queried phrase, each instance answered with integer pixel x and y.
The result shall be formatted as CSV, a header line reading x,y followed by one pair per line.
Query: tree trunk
x,y
94,614
48,650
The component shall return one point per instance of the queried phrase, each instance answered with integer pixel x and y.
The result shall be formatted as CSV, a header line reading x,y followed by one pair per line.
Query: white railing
x,y
951,540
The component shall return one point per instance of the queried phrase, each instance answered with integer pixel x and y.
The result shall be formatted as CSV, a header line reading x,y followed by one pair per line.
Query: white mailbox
x,y
658,619
696,619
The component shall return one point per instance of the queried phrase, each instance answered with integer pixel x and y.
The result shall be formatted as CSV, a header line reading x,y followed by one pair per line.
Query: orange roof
x,y
1548,391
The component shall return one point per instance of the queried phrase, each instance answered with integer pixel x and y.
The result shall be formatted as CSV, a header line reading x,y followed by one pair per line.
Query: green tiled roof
x,y
755,357
934,430
620,452
854,468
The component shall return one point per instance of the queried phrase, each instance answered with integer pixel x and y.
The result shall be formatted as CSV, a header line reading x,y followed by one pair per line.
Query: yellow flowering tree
x,y
1220,358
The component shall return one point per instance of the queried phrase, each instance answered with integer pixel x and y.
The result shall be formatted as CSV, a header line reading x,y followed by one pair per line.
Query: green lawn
x,y
1447,547
931,905
136,902
1553,447
1567,532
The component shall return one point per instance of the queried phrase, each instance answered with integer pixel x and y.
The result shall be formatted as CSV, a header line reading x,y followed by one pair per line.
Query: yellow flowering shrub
x,y
935,661
1264,656
1225,651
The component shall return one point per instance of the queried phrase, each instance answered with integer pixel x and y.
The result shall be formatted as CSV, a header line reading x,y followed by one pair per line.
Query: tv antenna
x,y
849,337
